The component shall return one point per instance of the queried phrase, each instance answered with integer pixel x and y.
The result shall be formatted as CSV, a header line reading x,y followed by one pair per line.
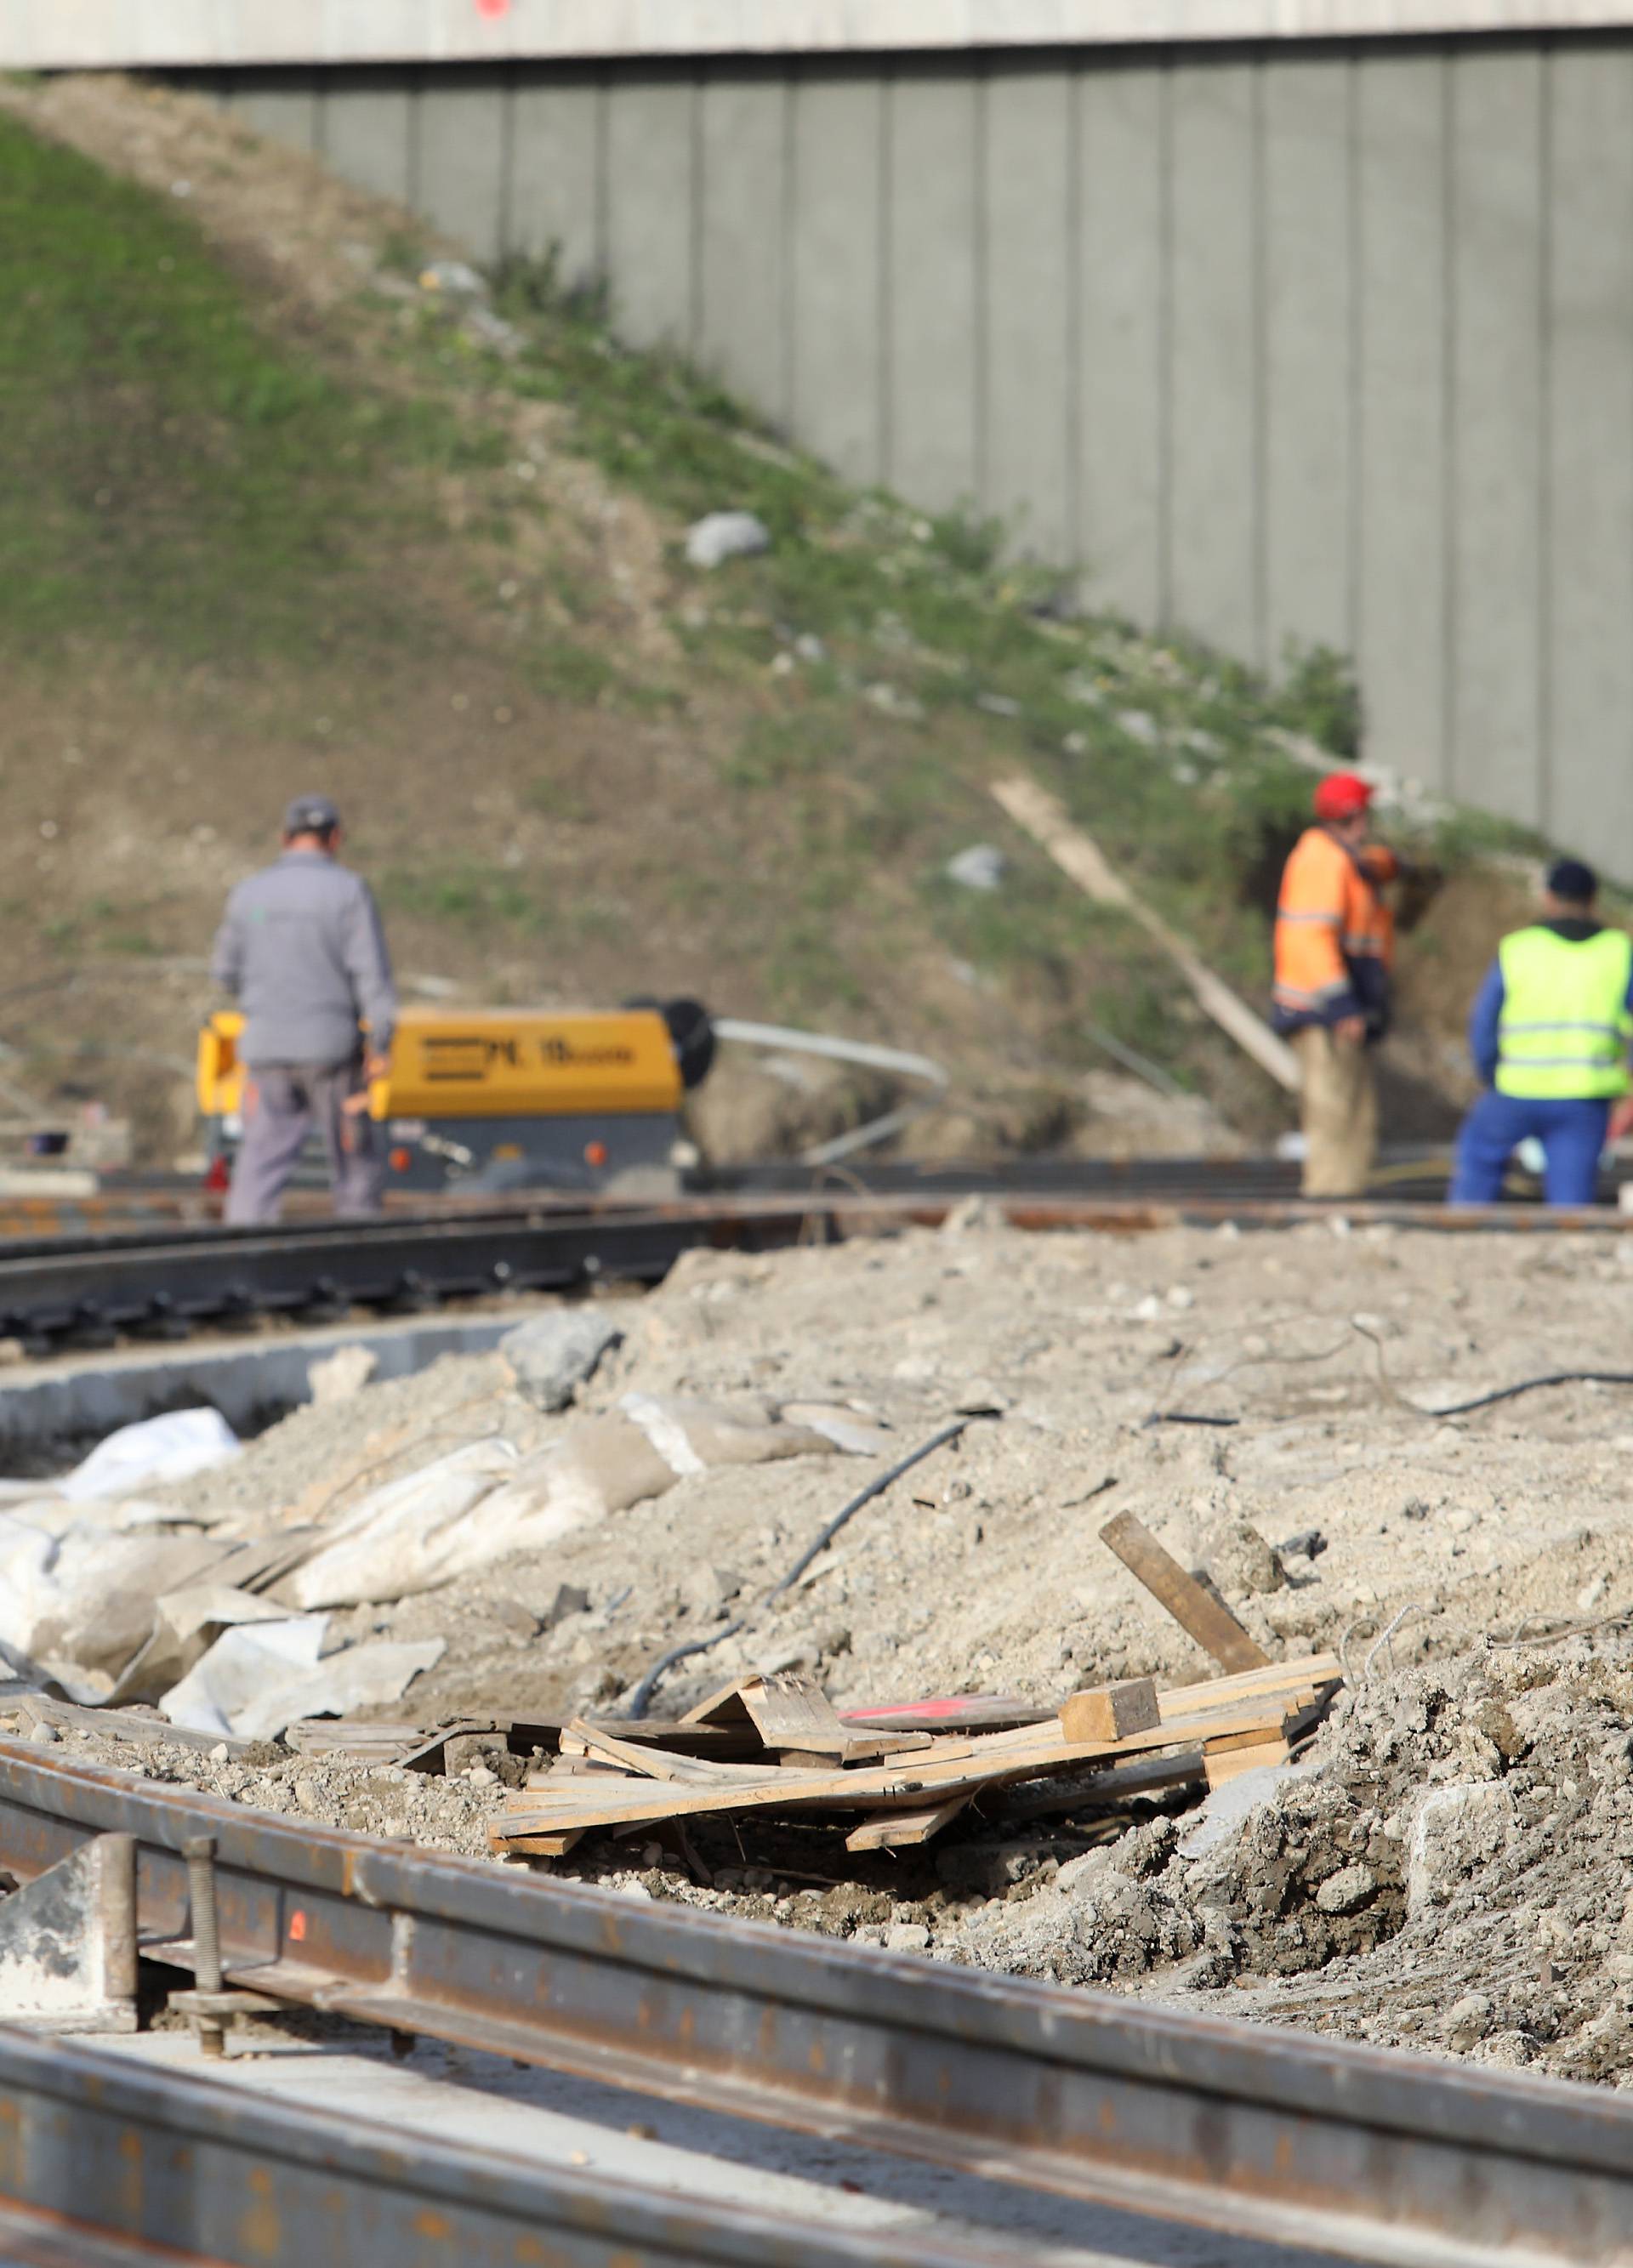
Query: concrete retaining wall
x,y
1330,343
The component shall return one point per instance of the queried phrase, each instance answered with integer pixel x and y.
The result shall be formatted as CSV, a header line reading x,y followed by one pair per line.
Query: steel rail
x,y
1384,2157
57,1288
96,2151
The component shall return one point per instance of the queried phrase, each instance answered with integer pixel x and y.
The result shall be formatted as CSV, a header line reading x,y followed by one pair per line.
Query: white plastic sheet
x,y
481,1502
258,1677
81,1604
167,1448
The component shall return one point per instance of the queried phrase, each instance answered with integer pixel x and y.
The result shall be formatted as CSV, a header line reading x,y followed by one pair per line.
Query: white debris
x,y
167,1448
259,1677
981,867
341,1375
722,535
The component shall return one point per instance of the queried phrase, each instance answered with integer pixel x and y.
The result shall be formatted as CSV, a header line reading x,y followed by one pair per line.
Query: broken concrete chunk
x,y
1241,1563
1348,1890
342,1374
551,1356
1455,1830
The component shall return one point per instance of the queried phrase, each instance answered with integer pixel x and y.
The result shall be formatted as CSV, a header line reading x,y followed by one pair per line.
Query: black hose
x,y
875,1487
1184,1418
645,1690
642,1696
1529,1386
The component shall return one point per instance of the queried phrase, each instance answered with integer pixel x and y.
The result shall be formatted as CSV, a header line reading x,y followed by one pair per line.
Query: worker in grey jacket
x,y
302,952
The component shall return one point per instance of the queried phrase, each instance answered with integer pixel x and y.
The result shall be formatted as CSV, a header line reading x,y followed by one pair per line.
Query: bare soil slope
x,y
286,503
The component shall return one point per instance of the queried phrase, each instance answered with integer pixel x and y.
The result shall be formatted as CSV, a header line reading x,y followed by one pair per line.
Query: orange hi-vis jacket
x,y
1335,937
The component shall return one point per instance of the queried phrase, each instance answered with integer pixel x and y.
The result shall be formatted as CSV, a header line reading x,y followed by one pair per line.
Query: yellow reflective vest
x,y
1564,1031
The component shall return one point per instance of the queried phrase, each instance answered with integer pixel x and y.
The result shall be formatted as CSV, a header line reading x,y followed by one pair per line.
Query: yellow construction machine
x,y
495,1099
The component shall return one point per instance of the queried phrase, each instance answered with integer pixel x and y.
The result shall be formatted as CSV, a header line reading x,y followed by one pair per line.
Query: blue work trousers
x,y
1572,1135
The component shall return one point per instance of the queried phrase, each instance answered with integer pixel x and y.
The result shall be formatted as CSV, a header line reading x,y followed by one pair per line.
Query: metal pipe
x,y
199,1850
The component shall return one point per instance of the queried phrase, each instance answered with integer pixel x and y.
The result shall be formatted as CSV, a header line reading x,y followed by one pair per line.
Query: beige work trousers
x,y
1338,1110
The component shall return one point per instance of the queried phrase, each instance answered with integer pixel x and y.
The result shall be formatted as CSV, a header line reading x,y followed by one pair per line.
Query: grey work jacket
x,y
302,950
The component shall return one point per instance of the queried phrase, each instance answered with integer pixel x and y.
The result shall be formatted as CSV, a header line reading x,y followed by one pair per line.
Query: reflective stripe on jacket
x,y
1564,1030
1334,938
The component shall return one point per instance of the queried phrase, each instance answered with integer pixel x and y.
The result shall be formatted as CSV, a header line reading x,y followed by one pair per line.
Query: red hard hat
x,y
1340,795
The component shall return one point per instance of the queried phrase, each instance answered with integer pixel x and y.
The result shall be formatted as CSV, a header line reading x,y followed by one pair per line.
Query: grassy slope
x,y
246,545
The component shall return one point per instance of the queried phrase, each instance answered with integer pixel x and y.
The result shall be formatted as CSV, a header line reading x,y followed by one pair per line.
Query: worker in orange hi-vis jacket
x,y
1334,944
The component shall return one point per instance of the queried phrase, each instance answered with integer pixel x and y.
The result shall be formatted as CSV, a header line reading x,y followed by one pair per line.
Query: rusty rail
x,y
1267,2134
103,2163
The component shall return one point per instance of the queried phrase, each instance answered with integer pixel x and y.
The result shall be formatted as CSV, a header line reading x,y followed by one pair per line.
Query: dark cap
x,y
311,815
1573,881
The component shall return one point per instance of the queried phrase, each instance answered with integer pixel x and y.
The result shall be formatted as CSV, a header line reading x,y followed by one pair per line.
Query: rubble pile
x,y
1446,1861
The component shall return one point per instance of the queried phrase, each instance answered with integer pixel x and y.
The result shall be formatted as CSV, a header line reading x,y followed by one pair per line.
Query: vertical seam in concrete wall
x,y
1450,484
1072,314
1259,376
1545,442
1165,344
507,160
981,255
884,373
416,96
601,160
790,225
694,234
787,299
1355,485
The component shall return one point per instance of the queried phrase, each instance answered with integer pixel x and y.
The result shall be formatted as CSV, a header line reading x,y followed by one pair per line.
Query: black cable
x,y
645,1690
1184,1418
1529,1386
876,1486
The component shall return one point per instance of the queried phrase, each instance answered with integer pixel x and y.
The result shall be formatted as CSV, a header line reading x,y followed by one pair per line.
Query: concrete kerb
x,y
250,1381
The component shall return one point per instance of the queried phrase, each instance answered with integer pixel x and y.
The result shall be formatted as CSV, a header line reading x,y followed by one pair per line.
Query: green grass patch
x,y
169,471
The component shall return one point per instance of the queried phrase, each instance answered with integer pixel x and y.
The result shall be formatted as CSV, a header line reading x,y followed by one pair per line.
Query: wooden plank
x,y
791,1712
880,1787
1110,1713
723,1706
1221,1744
1214,1627
659,1763
1109,1791
1043,818
1235,1762
1304,1672
534,1846
956,1712
895,1830
861,1748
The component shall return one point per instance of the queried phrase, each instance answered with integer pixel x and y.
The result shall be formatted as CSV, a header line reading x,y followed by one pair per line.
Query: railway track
x,y
159,1279
1267,2135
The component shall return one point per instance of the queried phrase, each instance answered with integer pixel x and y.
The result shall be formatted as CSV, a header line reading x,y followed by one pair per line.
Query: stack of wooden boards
x,y
794,1757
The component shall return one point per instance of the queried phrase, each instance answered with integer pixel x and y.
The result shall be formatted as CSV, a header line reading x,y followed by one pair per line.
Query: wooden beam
x,y
1111,1712
1043,818
896,1830
1214,1627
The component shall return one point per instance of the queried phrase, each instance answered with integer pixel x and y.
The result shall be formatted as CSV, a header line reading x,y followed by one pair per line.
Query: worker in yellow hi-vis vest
x,y
1550,1034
